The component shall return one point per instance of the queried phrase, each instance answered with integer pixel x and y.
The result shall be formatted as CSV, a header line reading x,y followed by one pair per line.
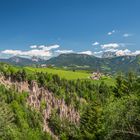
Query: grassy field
x,y
71,75
66,74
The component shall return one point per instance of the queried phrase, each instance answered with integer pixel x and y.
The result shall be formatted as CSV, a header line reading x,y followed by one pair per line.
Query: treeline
x,y
107,112
114,114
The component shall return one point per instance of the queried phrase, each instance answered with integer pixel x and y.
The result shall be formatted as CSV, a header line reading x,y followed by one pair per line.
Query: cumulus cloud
x,y
44,47
127,35
123,52
48,47
64,51
110,50
86,52
33,46
11,52
116,52
136,52
112,32
127,52
119,49
71,51
110,46
30,53
38,51
95,43
99,52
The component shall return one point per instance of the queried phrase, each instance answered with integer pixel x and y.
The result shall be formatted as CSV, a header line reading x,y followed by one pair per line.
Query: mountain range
x,y
83,61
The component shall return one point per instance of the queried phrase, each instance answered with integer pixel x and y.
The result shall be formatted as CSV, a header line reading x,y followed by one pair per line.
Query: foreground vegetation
x,y
106,112
17,120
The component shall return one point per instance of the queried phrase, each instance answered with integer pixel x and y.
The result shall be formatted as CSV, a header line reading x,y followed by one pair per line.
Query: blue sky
x,y
83,26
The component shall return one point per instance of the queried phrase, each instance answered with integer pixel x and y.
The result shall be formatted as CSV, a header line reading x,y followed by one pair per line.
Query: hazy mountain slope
x,y
74,59
83,61
22,61
121,63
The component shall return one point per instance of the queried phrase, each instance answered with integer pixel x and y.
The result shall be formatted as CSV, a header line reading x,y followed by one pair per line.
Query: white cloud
x,y
109,33
95,43
127,52
30,53
111,50
86,52
118,52
71,51
110,46
136,52
11,52
48,47
112,32
33,46
64,51
123,52
99,52
44,47
39,51
127,35
119,49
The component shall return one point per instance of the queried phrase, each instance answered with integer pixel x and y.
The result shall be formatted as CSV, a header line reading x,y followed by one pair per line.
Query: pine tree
x,y
6,119
89,122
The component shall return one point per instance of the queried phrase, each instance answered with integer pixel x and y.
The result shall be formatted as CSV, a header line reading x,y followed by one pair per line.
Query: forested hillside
x,y
43,106
83,61
90,62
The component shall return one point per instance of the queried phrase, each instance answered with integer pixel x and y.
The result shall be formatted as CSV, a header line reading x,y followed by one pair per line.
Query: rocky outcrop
x,y
39,96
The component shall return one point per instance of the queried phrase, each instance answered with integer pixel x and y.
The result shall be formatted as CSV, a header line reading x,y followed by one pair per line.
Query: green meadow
x,y
66,74
71,75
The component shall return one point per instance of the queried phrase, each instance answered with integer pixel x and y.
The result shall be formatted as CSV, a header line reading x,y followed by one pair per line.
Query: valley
x,y
72,61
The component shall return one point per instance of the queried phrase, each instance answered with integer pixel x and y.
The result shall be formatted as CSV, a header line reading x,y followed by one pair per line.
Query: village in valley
x,y
98,75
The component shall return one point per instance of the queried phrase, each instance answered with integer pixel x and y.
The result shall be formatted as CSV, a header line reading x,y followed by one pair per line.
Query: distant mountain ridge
x,y
23,61
83,61
109,54
112,64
